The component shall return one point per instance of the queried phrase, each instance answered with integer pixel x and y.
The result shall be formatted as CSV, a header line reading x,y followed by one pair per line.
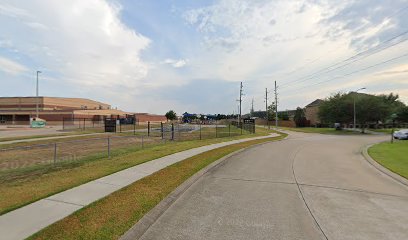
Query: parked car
x,y
401,134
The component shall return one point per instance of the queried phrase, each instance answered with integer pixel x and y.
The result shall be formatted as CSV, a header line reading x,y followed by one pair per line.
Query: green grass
x,y
31,186
384,130
112,216
392,156
331,131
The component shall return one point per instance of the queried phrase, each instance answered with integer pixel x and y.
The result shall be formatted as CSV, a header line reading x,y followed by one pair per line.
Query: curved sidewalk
x,y
25,221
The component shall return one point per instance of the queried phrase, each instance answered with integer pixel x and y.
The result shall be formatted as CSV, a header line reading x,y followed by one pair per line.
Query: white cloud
x,y
176,63
261,41
11,67
84,42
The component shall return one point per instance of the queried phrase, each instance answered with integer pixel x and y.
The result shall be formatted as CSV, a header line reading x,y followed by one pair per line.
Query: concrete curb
x,y
137,230
381,168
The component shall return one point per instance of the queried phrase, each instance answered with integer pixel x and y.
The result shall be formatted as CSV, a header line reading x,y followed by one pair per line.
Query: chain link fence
x,y
19,159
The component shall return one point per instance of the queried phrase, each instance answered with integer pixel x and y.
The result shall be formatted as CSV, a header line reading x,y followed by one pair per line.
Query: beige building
x,y
312,112
19,110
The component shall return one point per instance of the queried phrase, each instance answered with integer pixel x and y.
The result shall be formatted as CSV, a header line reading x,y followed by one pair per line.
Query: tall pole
x,y
252,107
240,103
266,107
37,99
276,106
354,107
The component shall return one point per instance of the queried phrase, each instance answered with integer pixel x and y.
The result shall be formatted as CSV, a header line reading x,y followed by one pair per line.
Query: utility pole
x,y
266,107
36,91
240,103
252,107
276,106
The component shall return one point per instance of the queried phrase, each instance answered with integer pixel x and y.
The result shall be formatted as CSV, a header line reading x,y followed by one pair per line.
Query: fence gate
x,y
110,124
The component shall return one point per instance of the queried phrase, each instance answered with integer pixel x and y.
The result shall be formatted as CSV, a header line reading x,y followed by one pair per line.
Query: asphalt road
x,y
310,186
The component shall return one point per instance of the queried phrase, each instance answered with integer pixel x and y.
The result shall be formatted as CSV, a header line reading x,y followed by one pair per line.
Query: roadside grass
x,y
331,131
392,156
383,130
34,185
112,216
68,133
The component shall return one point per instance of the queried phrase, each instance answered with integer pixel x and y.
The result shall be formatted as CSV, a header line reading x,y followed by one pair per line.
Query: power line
x,y
310,76
360,70
355,57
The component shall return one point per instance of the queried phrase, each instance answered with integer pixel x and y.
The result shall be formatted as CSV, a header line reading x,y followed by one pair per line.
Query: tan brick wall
x,y
311,114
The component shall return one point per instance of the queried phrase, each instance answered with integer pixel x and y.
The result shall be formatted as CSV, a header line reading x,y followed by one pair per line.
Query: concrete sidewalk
x,y
23,222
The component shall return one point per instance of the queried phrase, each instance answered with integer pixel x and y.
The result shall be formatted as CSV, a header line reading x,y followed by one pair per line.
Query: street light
x,y
354,107
37,100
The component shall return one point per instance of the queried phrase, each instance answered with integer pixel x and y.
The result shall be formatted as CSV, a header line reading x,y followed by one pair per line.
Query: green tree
x,y
171,115
338,108
299,117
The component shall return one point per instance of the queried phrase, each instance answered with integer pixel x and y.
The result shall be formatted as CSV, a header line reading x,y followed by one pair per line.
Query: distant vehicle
x,y
337,126
401,134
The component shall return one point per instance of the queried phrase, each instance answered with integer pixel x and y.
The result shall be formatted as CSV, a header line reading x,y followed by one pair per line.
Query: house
x,y
312,112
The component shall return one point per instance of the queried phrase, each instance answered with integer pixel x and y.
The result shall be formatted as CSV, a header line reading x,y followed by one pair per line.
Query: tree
x,y
370,109
271,112
171,115
338,108
402,114
299,117
283,116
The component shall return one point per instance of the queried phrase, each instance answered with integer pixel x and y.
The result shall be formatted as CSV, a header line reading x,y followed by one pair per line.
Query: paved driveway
x,y
310,186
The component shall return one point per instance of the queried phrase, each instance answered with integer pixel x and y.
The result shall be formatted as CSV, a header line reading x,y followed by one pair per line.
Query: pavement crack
x,y
351,190
301,192
252,180
59,201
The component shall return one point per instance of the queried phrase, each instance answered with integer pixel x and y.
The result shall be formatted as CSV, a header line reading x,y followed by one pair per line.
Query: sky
x,y
153,56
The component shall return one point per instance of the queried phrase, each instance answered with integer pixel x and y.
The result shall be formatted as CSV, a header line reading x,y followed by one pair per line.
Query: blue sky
x,y
152,56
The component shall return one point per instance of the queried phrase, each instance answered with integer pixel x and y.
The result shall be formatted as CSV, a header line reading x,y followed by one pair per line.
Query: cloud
x,y
176,63
84,43
11,67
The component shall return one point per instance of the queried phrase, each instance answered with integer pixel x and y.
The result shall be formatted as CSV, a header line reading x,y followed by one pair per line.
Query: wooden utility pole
x,y
266,107
276,106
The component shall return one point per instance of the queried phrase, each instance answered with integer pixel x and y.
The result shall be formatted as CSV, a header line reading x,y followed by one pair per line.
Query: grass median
x,y
331,131
112,216
392,156
32,187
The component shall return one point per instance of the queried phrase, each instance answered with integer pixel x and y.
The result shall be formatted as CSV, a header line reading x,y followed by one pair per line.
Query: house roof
x,y
316,102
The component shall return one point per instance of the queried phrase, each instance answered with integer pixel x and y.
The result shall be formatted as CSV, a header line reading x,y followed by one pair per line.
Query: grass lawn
x,y
321,130
113,215
32,186
392,156
384,130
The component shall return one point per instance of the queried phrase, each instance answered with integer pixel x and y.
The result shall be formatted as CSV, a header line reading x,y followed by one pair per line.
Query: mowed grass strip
x,y
111,217
393,156
331,131
32,187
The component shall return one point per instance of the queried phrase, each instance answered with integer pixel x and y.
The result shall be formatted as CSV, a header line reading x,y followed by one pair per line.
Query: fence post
x,y
200,130
229,130
108,147
172,131
216,135
148,128
84,123
55,153
179,133
161,129
142,142
134,127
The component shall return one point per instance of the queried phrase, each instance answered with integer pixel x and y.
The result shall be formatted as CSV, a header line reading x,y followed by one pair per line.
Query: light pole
x,y
37,100
354,106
